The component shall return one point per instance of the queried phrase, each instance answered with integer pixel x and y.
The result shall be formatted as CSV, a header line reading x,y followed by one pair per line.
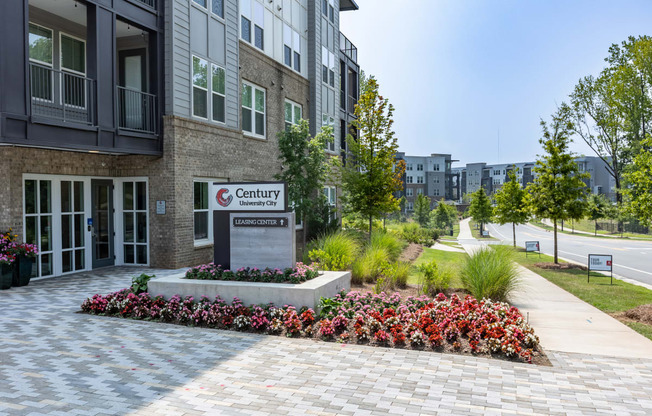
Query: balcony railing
x,y
137,110
348,48
62,95
150,3
351,105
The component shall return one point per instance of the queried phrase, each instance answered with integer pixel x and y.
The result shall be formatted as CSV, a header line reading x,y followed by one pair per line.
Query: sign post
x,y
602,263
532,247
247,214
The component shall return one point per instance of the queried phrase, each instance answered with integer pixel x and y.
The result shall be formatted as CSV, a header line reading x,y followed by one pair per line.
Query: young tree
x,y
511,204
598,206
444,216
639,192
372,177
558,185
422,210
304,168
480,209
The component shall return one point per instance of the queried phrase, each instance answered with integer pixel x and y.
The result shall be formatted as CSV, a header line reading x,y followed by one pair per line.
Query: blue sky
x,y
461,71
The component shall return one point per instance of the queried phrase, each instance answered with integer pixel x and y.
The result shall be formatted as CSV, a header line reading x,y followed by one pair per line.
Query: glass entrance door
x,y
102,227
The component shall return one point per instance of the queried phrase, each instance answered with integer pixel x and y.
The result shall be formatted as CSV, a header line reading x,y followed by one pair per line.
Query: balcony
x,y
149,3
348,48
137,110
62,95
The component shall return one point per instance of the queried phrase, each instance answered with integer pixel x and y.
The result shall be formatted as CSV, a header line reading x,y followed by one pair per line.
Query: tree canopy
x,y
511,203
480,209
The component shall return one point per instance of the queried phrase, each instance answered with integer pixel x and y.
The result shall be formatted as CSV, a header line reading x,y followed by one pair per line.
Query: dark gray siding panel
x,y
179,30
232,64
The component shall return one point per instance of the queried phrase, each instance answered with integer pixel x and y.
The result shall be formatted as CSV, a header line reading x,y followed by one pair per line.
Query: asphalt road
x,y
631,258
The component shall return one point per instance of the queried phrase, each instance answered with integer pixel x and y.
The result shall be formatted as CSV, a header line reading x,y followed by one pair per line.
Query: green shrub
x,y
413,233
335,251
383,239
370,265
139,283
398,273
490,273
434,279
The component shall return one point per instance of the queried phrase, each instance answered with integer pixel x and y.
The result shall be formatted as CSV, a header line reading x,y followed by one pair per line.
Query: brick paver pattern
x,y
56,361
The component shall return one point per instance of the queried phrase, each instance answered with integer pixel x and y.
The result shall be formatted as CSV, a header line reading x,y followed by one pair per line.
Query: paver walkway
x,y
58,362
564,322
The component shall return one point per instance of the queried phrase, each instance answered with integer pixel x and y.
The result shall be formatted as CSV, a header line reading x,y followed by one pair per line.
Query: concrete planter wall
x,y
305,294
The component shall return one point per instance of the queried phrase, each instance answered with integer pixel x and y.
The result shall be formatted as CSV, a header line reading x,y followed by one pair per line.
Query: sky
x,y
474,77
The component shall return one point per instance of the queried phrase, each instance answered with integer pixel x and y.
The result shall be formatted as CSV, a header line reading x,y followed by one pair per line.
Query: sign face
x,y
160,207
250,196
260,222
531,246
600,262
485,233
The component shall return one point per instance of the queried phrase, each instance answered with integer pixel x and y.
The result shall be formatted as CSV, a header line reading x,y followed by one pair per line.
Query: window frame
x,y
253,110
51,64
294,107
213,91
193,86
209,240
72,71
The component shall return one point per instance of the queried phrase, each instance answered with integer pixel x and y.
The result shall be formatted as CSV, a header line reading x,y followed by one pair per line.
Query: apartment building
x,y
427,175
116,116
493,177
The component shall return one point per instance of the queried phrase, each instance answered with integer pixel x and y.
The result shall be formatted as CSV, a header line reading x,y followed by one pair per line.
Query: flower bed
x,y
440,324
211,271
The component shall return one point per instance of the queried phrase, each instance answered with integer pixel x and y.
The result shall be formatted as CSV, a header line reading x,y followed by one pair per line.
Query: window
x,y
435,192
293,113
200,210
259,24
419,179
38,223
497,172
40,52
327,66
409,206
253,110
408,166
419,191
436,179
199,87
329,121
324,7
202,3
409,192
72,226
435,167
255,35
331,11
408,179
330,192
291,48
218,7
218,92
73,54
419,166
245,25
297,51
134,196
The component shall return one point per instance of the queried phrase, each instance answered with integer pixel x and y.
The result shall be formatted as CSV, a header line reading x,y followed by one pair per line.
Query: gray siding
x,y
314,63
178,29
232,64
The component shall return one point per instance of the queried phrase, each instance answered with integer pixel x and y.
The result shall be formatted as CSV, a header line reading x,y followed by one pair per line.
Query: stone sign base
x,y
328,284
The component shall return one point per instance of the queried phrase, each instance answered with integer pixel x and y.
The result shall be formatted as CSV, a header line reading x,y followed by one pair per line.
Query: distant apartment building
x,y
116,116
427,175
493,177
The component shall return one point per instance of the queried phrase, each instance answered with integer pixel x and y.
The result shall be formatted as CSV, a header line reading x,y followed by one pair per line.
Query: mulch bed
x,y
642,314
411,252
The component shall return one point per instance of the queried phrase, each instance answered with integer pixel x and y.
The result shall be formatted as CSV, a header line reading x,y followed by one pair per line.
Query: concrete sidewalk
x,y
562,321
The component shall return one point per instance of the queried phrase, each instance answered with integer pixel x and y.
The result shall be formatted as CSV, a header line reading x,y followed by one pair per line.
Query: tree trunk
x,y
596,228
371,218
619,203
555,241
514,233
562,225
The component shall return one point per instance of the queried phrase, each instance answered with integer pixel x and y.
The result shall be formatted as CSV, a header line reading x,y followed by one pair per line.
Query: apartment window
x,y
40,51
297,51
331,68
419,191
408,166
329,121
435,167
219,93
200,210
259,24
253,110
435,192
38,223
218,7
73,60
324,7
202,3
293,113
436,180
331,11
419,166
419,179
245,25
135,222
409,192
330,192
199,87
408,179
409,206
291,48
327,66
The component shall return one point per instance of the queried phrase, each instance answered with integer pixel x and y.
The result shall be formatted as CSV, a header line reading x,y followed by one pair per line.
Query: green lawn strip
x,y
450,243
449,259
598,292
601,234
476,232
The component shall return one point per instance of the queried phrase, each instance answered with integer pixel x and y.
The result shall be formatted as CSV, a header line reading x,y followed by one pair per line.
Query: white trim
x,y
193,86
253,110
209,240
51,64
72,71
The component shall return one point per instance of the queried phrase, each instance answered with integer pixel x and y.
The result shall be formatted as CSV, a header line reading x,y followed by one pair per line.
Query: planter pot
x,y
6,276
25,270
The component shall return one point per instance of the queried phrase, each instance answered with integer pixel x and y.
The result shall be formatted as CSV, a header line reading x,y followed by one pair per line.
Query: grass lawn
x,y
598,292
448,259
476,232
456,232
568,229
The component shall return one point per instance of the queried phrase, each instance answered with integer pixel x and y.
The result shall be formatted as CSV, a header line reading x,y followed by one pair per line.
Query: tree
x,y
304,168
613,111
511,204
444,216
558,186
639,192
422,210
480,209
598,206
372,177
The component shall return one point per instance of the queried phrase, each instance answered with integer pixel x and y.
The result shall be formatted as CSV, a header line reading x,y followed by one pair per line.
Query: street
x,y
631,258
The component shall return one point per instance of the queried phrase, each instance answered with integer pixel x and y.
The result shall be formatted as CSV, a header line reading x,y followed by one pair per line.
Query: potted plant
x,y
6,270
25,255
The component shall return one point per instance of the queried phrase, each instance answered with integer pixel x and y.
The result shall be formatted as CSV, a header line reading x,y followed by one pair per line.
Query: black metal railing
x,y
62,95
150,3
348,48
137,110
